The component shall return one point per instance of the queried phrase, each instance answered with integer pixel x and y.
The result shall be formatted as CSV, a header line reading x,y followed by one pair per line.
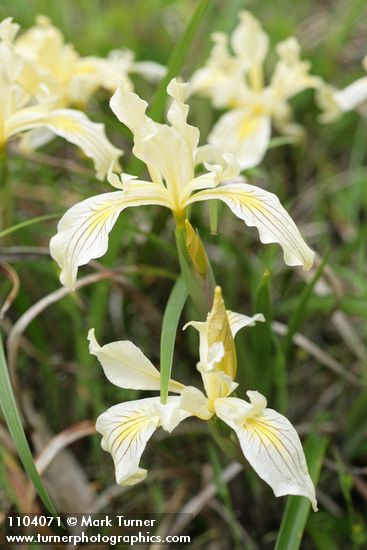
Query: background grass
x,y
322,182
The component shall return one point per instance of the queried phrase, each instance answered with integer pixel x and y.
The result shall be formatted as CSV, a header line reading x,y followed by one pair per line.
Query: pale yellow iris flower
x,y
21,112
171,154
71,78
334,102
267,439
235,81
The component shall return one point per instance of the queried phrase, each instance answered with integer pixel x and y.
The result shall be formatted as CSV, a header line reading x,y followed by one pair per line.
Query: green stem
x,y
5,193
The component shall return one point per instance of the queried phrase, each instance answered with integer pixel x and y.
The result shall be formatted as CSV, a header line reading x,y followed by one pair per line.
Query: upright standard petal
x,y
126,366
244,132
249,41
72,125
216,330
261,209
168,151
291,74
130,109
270,444
220,78
127,427
82,232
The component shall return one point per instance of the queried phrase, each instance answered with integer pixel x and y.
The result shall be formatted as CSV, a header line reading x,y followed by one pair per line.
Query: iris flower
x,y
267,439
70,77
236,82
335,102
21,112
171,154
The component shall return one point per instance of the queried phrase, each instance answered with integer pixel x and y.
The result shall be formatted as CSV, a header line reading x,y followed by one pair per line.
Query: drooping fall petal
x,y
270,444
261,209
82,232
127,427
72,125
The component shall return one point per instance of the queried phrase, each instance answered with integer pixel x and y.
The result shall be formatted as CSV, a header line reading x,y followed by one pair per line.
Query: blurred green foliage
x,y
323,182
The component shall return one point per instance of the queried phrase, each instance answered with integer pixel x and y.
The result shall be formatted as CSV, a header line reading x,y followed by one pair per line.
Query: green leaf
x,y
297,508
11,415
175,304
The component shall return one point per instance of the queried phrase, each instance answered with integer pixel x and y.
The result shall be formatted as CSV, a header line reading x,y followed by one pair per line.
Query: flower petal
x,y
72,125
291,74
178,112
152,71
216,330
261,209
130,109
353,95
238,321
127,427
220,78
270,444
8,29
83,230
244,134
126,366
168,151
217,384
249,41
195,402
325,98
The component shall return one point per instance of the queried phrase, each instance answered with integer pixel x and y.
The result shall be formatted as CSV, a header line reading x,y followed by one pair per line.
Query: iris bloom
x,y
171,154
72,79
236,81
267,439
335,102
21,112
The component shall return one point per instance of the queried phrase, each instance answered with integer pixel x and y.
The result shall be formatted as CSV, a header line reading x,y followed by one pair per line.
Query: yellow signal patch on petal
x,y
263,210
126,429
270,444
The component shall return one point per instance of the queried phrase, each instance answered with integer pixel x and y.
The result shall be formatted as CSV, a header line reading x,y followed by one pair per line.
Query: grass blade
x,y
11,415
175,304
174,65
176,60
297,508
26,223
